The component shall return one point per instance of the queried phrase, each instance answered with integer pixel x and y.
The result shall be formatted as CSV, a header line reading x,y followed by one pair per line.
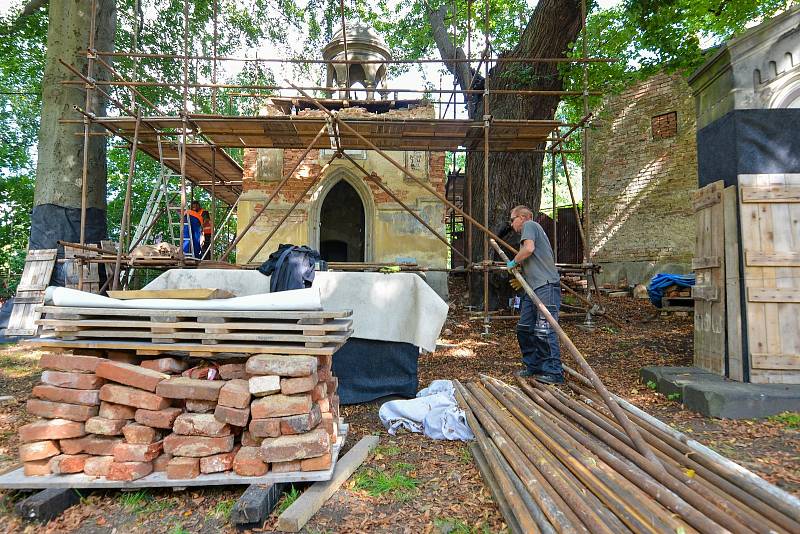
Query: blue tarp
x,y
661,281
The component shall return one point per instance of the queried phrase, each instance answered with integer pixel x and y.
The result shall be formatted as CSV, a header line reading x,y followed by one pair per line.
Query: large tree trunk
x,y
57,196
514,177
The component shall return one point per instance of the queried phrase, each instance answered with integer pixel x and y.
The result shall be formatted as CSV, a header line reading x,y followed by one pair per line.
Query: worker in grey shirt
x,y
538,341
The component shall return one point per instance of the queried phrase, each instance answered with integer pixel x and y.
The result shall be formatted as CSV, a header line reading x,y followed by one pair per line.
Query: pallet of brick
x,y
313,329
121,420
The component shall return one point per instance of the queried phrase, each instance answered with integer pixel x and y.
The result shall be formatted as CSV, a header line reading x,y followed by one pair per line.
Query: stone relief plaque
x,y
417,162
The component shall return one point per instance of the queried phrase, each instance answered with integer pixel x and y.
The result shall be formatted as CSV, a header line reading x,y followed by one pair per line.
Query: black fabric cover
x,y
369,369
749,141
290,267
51,223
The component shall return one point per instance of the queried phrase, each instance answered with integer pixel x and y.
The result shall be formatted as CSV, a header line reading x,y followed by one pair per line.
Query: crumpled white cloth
x,y
434,412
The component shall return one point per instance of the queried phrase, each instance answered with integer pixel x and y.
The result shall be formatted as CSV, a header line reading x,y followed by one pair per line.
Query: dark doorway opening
x,y
341,233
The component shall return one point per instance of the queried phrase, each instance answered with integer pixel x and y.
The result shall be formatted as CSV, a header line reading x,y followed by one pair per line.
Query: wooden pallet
x,y
305,329
30,292
16,479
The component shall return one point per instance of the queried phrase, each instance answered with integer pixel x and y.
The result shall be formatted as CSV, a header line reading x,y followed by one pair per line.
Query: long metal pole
x,y
585,141
300,198
280,185
555,209
126,209
405,170
377,181
487,117
574,204
619,414
344,43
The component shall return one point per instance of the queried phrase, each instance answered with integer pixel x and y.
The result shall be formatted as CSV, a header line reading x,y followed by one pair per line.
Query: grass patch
x,y
651,385
19,366
790,419
135,501
223,509
388,450
456,526
156,506
465,455
288,499
178,529
674,397
397,483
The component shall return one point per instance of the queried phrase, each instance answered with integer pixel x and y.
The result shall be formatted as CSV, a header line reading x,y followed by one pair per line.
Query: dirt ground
x,y
411,483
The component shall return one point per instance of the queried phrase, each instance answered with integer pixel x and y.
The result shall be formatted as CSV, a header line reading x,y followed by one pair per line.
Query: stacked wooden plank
x,y
122,419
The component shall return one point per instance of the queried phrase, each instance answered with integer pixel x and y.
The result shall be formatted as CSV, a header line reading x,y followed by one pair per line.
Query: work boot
x,y
549,379
525,374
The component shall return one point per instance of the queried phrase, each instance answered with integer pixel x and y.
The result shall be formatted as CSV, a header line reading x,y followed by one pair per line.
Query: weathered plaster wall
x,y
641,214
390,232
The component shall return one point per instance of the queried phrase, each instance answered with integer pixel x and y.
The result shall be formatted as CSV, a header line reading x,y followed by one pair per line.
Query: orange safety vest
x,y
196,214
207,227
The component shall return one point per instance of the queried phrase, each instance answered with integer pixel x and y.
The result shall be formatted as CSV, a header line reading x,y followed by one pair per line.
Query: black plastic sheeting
x,y
749,141
368,369
51,223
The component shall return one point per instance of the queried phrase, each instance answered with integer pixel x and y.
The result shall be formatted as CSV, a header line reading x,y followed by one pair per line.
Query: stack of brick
x,y
67,398
293,425
123,421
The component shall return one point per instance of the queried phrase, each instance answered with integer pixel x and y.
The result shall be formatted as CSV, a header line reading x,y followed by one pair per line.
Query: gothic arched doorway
x,y
341,224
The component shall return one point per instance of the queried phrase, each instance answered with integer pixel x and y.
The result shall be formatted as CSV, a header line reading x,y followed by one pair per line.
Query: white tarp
x,y
295,300
434,412
397,307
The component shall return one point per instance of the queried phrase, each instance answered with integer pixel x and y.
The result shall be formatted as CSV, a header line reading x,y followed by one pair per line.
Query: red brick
x,y
182,468
90,397
285,467
38,450
297,424
231,371
325,360
281,365
200,424
290,386
59,361
197,446
190,388
165,365
59,410
235,393
320,391
218,463
105,427
325,404
51,429
329,423
248,462
324,374
335,405
97,466
280,405
94,445
249,440
232,416
122,356
65,464
72,380
264,385
109,410
320,463
160,463
132,452
200,406
132,397
129,470
287,448
130,375
158,418
265,428
36,468
140,434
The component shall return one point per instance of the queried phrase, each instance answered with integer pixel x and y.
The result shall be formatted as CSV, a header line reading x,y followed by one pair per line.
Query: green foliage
x,y
652,385
223,509
134,501
395,482
288,499
790,419
674,397
457,526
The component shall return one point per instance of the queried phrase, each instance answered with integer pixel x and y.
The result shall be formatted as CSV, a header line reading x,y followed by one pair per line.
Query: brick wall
x,y
641,180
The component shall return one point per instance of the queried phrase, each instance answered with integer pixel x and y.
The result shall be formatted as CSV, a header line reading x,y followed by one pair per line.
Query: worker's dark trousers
x,y
537,339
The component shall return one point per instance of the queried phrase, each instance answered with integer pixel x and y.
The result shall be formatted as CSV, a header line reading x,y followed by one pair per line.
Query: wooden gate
x,y
709,289
30,292
770,226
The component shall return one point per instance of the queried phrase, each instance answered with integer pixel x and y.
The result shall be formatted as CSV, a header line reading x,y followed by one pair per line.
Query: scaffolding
x,y
190,147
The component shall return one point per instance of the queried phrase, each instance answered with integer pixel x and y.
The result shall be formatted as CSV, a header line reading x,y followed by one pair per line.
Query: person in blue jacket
x,y
193,230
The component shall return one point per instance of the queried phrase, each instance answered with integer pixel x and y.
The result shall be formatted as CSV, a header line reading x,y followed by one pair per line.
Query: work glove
x,y
511,265
515,284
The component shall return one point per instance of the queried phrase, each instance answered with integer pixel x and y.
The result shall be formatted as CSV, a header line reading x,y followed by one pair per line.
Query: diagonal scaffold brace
x,y
619,414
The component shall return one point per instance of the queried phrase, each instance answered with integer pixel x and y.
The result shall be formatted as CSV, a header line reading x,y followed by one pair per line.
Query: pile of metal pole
x,y
558,462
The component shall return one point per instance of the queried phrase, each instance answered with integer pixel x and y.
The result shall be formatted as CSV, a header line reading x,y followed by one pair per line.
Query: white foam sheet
x,y
295,300
397,307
